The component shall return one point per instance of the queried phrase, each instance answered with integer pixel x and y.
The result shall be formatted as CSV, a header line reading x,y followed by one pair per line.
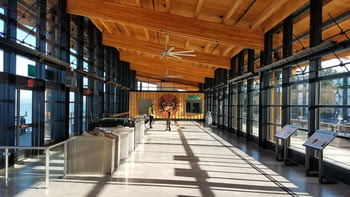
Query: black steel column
x,y
38,107
99,69
286,72
79,93
250,82
239,90
91,70
107,107
8,89
62,131
263,98
314,64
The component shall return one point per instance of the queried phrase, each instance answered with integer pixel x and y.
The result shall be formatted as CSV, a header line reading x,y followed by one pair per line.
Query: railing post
x,y
6,167
47,170
65,158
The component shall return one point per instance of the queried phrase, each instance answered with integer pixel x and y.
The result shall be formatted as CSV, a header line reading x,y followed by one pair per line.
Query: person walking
x,y
168,113
151,115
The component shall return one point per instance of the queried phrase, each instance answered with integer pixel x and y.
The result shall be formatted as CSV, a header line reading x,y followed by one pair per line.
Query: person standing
x,y
168,113
151,115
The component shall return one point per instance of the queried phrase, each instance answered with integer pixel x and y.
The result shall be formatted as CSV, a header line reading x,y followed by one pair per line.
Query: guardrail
x,y
47,158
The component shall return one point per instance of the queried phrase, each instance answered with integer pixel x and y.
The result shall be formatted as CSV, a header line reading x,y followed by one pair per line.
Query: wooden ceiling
x,y
216,30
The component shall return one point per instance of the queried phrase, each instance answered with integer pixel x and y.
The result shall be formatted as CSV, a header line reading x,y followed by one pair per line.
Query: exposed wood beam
x,y
156,81
146,67
174,24
283,12
151,4
107,26
168,5
180,81
236,50
232,10
187,43
147,34
272,8
144,46
98,24
227,50
207,47
127,34
129,31
162,73
199,8
139,3
166,64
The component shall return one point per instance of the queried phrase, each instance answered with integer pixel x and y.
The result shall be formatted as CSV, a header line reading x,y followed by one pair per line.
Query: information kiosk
x,y
318,141
284,134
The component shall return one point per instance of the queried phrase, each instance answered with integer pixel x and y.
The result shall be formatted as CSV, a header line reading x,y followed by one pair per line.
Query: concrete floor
x,y
190,160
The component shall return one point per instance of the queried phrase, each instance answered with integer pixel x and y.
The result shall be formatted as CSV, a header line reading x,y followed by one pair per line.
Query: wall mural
x,y
168,102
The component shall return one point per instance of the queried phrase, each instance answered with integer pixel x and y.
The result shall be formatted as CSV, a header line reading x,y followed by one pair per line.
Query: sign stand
x,y
318,141
284,135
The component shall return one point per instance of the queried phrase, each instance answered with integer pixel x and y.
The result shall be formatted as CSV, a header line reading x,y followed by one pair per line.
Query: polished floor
x,y
190,160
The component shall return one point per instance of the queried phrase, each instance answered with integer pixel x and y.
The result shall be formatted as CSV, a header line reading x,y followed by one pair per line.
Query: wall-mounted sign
x,y
194,97
30,83
31,70
168,102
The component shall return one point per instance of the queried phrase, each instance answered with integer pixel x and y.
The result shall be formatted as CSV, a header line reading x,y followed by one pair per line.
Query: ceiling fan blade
x,y
178,52
172,48
162,56
175,56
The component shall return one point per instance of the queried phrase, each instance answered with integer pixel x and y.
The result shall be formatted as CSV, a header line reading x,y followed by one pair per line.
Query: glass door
x,y
23,120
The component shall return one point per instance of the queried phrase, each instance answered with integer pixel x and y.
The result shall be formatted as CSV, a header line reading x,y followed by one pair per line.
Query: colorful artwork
x,y
168,102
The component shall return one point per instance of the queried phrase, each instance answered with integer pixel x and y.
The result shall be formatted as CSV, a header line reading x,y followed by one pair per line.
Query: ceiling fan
x,y
173,54
172,76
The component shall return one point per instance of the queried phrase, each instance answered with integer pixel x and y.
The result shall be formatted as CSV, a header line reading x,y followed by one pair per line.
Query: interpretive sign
x,y
286,132
320,139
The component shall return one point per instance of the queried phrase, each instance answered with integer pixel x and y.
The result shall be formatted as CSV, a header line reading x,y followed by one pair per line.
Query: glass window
x,y
25,67
194,106
26,26
1,61
71,112
1,22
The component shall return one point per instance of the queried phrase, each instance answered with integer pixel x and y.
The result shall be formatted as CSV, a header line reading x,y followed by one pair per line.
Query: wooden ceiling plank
x,y
180,81
232,10
107,27
139,3
127,34
165,64
227,50
187,43
147,34
272,8
162,73
207,47
283,12
198,8
168,5
150,47
174,24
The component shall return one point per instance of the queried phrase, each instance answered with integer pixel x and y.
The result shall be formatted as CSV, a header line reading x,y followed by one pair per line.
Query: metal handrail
x,y
47,158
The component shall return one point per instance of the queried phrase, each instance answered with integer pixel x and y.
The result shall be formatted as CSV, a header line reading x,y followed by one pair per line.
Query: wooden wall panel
x,y
181,112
